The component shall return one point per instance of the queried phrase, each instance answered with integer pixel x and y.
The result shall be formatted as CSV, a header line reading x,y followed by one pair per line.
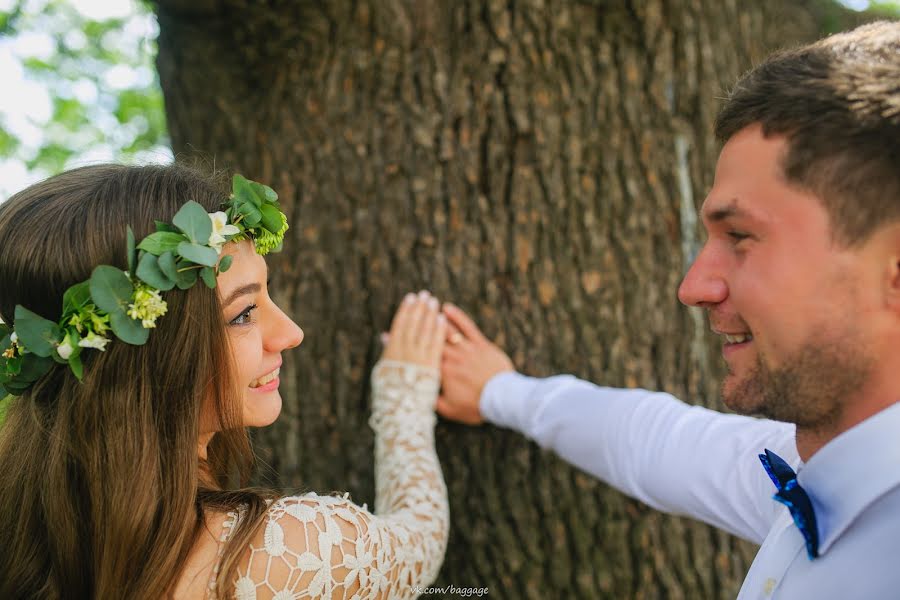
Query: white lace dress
x,y
328,547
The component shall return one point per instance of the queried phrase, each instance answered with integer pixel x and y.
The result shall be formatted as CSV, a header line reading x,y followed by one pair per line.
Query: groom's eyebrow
x,y
250,288
713,213
722,212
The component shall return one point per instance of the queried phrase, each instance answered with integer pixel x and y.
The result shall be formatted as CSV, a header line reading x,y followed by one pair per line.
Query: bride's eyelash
x,y
245,314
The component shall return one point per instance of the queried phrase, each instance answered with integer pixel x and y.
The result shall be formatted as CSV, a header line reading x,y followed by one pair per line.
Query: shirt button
x,y
769,586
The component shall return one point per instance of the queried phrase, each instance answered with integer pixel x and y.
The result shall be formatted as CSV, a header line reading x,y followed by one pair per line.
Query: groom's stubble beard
x,y
809,389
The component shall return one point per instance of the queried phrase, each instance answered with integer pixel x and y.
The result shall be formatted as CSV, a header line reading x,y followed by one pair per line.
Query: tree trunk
x,y
538,162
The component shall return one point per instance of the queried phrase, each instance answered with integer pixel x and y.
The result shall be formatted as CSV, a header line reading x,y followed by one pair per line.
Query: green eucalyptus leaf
x,y
271,218
252,215
34,367
225,263
128,330
160,226
39,335
76,366
265,194
14,366
74,338
208,274
131,249
111,289
150,272
194,221
167,265
17,388
253,221
243,191
270,194
242,206
186,278
161,242
76,296
202,255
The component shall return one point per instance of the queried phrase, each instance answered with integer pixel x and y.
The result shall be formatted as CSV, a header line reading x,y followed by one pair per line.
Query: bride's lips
x,y
267,382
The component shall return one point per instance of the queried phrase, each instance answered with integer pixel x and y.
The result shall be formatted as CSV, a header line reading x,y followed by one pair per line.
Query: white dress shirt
x,y
700,463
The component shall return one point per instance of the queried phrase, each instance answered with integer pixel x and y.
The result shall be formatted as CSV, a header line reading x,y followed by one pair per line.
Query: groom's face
x,y
788,301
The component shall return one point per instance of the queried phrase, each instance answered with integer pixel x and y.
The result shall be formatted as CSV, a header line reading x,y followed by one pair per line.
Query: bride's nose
x,y
282,333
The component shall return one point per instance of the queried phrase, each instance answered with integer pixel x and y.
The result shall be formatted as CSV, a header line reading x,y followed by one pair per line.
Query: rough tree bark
x,y
539,162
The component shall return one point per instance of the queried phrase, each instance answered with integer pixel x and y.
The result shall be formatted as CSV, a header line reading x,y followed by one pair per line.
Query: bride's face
x,y
259,331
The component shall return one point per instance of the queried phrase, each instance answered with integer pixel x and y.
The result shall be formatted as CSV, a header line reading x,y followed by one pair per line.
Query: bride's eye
x,y
244,317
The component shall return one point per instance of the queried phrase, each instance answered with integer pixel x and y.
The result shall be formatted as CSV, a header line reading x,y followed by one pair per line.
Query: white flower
x,y
220,228
65,349
148,305
13,337
97,342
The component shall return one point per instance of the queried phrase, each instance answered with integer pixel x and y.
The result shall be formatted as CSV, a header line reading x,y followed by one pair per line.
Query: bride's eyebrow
x,y
250,288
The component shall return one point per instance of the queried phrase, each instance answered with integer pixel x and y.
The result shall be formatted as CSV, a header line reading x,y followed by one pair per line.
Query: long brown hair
x,y
99,488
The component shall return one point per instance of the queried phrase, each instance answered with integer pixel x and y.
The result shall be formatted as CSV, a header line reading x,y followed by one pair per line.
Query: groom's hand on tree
x,y
469,361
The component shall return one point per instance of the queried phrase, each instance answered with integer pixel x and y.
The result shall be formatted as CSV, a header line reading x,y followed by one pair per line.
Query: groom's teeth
x,y
265,379
738,338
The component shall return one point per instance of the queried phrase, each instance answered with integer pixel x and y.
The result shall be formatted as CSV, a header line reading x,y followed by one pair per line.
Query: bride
x,y
139,343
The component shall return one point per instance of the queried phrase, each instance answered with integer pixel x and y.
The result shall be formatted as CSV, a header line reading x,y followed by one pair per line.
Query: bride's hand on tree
x,y
470,360
418,332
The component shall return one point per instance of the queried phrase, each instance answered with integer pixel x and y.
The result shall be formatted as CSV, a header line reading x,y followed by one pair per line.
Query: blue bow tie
x,y
794,497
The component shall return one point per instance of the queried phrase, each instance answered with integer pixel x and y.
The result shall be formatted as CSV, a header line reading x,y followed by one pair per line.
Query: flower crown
x,y
128,303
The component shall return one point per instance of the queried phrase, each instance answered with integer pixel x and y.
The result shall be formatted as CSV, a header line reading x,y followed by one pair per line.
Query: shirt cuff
x,y
507,400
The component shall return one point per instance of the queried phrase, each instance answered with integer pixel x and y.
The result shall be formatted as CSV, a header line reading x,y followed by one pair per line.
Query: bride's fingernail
x,y
442,318
384,338
433,303
409,298
423,295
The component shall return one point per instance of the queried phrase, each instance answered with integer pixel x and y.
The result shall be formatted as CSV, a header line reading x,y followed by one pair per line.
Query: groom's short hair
x,y
837,101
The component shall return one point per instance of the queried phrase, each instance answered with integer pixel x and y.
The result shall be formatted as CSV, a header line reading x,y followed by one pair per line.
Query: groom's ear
x,y
892,273
894,287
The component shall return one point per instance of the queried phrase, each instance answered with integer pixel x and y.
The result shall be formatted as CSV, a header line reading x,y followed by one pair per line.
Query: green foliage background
x,y
127,121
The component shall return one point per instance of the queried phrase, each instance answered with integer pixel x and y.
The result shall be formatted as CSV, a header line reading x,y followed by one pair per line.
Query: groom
x,y
800,276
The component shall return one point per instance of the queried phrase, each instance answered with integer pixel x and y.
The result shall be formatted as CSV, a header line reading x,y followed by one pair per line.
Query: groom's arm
x,y
674,457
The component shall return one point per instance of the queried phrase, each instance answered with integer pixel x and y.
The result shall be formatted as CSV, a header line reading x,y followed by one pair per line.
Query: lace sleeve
x,y
327,547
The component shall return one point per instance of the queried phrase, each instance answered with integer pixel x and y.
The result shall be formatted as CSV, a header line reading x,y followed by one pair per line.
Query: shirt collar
x,y
851,471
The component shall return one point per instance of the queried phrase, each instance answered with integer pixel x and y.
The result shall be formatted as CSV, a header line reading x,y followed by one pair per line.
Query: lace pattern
x,y
231,519
315,546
